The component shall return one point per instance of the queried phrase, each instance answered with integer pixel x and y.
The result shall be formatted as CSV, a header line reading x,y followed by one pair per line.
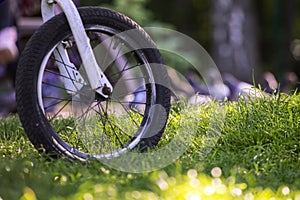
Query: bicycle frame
x,y
97,80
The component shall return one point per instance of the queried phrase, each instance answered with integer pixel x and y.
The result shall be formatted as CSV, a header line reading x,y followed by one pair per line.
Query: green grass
x,y
255,144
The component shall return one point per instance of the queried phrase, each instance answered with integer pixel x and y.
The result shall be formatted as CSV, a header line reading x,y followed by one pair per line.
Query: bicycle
x,y
91,84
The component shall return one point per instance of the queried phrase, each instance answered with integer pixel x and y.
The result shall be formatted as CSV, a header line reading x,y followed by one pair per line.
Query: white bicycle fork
x,y
97,80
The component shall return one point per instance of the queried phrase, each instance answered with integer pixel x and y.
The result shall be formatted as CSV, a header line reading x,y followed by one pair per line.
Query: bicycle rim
x,y
89,124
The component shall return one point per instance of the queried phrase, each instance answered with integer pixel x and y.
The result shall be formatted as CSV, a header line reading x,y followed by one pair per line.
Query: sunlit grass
x,y
239,150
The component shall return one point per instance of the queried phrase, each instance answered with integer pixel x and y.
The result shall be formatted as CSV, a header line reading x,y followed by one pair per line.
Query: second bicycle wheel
x,y
61,113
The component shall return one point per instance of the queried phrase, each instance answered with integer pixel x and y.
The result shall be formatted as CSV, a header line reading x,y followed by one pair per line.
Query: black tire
x,y
59,121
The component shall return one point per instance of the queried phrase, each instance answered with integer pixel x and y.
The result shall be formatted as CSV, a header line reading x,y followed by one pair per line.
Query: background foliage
x,y
278,25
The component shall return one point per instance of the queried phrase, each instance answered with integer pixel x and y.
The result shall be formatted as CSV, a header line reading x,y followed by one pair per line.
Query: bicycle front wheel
x,y
61,113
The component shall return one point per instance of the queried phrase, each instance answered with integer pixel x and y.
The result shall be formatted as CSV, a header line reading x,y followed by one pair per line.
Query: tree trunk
x,y
234,43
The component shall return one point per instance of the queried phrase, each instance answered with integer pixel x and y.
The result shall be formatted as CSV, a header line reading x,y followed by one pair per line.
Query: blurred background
x,y
251,40
245,38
